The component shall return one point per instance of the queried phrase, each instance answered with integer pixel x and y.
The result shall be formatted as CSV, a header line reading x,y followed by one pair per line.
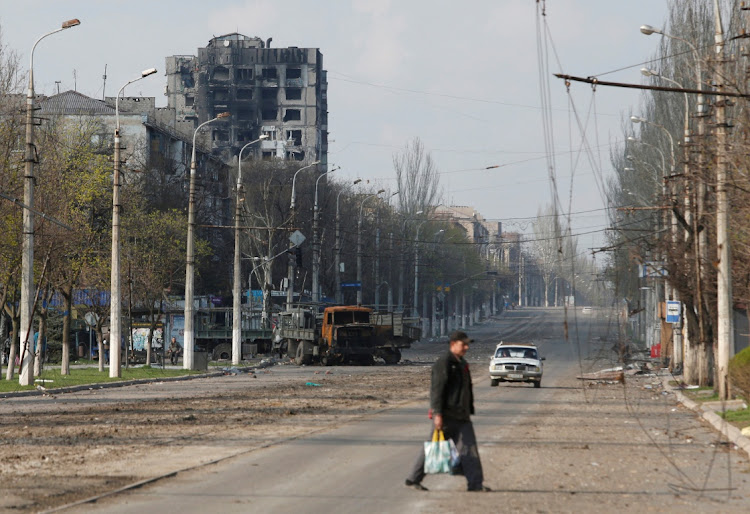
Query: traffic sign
x,y
674,310
297,238
355,285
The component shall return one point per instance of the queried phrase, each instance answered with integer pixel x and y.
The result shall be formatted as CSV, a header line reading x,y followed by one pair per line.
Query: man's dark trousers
x,y
462,433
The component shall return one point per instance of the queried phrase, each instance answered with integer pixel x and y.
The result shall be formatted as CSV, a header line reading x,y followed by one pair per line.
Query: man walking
x,y
451,406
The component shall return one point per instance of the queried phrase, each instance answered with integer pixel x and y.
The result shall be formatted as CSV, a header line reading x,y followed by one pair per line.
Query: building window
x,y
293,73
243,74
295,155
244,114
220,73
268,93
269,114
270,74
189,101
269,154
292,115
294,137
221,95
270,132
244,94
220,135
293,93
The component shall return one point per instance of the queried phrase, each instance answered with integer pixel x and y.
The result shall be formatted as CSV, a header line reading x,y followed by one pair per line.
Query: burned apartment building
x,y
279,92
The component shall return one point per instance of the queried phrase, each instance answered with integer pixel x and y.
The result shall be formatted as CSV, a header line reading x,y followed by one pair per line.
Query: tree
x,y
417,179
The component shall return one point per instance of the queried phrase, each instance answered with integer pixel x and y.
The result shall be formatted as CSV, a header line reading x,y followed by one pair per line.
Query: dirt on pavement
x,y
62,448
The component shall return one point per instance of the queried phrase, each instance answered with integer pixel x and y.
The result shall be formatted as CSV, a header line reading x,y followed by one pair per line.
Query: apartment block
x,y
279,92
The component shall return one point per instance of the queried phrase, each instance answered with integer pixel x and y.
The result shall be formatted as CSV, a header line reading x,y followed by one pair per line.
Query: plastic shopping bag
x,y
437,454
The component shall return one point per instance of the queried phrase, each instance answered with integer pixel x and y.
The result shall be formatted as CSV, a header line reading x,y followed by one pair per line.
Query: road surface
x,y
566,447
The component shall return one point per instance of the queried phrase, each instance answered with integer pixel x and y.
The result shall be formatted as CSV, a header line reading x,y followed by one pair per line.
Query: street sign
x,y
674,309
297,238
355,285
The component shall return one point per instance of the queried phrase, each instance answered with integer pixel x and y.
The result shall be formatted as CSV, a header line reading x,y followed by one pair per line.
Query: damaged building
x,y
279,92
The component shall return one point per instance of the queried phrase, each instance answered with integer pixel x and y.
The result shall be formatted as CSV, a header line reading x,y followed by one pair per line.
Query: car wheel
x,y
494,382
538,384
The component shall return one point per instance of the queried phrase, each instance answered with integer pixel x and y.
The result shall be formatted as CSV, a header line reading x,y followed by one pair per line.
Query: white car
x,y
586,310
516,362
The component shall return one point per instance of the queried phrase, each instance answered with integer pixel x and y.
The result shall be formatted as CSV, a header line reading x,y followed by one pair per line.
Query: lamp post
x,y
27,257
339,296
637,119
359,244
401,264
316,242
416,270
236,289
377,255
189,342
115,307
290,266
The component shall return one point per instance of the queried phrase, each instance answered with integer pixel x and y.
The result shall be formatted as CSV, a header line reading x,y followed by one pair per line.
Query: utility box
x,y
200,360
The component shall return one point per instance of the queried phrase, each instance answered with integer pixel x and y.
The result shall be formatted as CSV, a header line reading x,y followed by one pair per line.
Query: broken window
x,y
221,95
244,114
220,73
221,135
269,114
293,73
294,137
293,93
270,132
269,154
270,74
296,155
245,135
243,74
268,93
189,101
292,115
244,94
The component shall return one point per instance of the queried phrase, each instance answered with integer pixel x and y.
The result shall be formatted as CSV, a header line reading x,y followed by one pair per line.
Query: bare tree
x,y
417,179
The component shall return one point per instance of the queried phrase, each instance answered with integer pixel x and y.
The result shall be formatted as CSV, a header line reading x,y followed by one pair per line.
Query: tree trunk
x,y
10,372
100,345
67,295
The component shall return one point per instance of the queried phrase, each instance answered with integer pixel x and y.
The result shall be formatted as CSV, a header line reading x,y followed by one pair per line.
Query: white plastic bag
x,y
437,454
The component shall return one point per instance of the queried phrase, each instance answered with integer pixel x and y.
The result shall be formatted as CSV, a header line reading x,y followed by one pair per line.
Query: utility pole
x,y
724,269
316,242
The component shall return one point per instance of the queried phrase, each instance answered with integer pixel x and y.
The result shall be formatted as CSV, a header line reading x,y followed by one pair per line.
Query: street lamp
x,y
377,254
26,376
359,245
115,307
236,290
316,241
402,262
637,119
339,299
290,266
189,343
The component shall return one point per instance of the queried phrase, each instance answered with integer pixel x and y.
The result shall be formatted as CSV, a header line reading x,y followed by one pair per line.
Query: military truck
x,y
342,334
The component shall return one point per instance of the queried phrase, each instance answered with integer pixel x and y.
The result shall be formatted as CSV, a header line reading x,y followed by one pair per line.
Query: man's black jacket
x,y
450,393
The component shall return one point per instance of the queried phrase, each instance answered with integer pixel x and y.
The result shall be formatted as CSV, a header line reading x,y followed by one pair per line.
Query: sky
x,y
462,76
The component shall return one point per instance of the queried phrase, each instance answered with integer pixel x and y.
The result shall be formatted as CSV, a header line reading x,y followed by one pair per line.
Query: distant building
x,y
280,92
485,234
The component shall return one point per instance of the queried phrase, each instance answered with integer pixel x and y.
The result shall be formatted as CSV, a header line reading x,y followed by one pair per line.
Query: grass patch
x,y
740,417
52,379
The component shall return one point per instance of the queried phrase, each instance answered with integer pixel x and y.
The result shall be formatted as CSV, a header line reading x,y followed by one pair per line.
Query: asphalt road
x,y
566,447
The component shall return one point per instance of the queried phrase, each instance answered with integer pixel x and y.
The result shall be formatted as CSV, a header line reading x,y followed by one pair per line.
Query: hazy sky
x,y
462,76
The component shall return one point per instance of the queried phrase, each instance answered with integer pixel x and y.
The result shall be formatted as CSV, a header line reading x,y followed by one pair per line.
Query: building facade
x,y
279,92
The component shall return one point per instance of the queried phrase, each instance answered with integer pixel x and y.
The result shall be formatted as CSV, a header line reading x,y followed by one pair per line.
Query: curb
x,y
108,385
731,432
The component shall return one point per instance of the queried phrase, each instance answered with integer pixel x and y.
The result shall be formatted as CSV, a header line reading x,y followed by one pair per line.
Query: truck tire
x,y
494,382
391,356
222,352
301,357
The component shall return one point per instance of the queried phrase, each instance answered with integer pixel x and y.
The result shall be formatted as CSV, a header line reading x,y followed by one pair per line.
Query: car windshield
x,y
516,353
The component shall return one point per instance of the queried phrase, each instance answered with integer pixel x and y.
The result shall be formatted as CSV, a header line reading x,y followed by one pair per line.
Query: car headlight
x,y
534,368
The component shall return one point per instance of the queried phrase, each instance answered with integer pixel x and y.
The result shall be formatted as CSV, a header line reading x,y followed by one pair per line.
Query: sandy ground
x,y
57,449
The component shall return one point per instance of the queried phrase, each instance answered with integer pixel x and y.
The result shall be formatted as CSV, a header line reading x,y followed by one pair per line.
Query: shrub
x,y
739,372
